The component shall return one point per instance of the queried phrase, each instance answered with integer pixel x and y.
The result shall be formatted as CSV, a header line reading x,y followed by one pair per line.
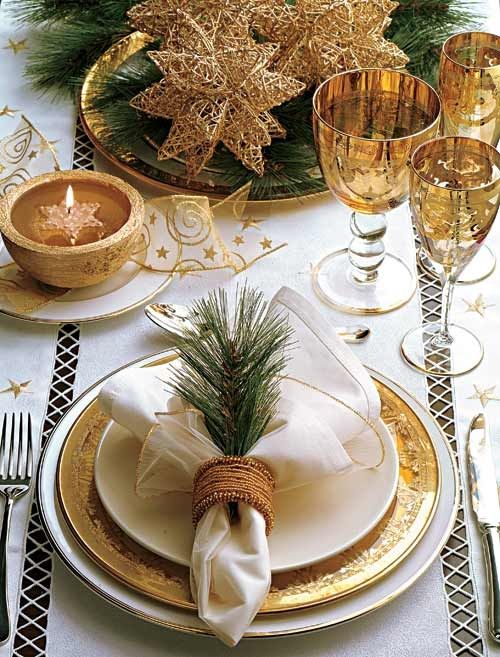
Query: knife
x,y
484,494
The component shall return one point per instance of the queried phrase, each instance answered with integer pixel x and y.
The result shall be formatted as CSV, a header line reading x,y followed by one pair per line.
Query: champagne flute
x,y
366,124
469,86
454,198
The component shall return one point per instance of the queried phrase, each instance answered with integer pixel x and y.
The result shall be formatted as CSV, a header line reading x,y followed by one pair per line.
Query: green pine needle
x,y
231,369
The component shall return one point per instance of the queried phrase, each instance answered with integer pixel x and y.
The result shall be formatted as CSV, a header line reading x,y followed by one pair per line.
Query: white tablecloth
x,y
82,625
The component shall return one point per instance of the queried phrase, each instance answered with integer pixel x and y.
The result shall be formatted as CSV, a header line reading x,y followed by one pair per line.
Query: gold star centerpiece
x,y
16,46
17,388
320,38
218,87
478,306
484,395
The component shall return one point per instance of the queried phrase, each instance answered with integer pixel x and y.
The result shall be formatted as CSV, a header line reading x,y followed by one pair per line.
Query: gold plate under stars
x,y
164,176
361,565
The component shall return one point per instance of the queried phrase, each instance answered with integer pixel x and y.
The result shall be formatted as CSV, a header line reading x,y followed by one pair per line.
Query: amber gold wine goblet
x,y
367,123
469,86
454,198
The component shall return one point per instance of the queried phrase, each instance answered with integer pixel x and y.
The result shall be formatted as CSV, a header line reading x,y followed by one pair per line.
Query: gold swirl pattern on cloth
x,y
373,557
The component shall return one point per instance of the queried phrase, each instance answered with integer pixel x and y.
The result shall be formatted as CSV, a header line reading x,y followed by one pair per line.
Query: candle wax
x,y
112,212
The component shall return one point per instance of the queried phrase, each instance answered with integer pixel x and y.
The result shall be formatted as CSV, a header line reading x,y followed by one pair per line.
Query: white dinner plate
x,y
264,625
333,514
129,287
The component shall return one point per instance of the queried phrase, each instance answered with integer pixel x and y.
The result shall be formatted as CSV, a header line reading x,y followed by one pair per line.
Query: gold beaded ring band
x,y
225,479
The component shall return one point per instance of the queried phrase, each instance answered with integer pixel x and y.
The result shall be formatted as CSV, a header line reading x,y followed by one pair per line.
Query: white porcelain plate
x,y
264,625
129,287
333,514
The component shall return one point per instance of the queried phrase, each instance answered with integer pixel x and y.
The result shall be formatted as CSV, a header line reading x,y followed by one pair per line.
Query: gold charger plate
x,y
168,175
374,556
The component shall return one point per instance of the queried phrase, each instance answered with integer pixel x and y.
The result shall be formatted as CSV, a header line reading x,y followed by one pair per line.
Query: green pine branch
x,y
232,368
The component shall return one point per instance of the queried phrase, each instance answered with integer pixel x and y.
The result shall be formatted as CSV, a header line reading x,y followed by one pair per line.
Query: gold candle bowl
x,y
121,209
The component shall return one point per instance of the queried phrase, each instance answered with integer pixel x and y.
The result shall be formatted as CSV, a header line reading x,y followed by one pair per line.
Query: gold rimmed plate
x,y
360,566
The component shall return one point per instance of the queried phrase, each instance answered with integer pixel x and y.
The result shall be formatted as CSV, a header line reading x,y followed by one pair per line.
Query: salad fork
x,y
16,470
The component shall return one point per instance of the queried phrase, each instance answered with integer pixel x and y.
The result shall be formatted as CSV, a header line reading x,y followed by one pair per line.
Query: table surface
x,y
444,613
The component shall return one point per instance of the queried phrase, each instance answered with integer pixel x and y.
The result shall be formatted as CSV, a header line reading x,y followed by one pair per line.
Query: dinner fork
x,y
16,470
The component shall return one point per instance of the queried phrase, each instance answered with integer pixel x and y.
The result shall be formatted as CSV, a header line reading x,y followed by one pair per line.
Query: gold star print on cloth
x,y
189,236
218,87
478,306
16,388
484,395
319,38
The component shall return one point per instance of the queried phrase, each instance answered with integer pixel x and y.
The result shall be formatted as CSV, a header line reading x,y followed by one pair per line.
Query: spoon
x,y
173,318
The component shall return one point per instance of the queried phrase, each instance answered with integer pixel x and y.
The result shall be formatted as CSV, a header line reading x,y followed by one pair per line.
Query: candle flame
x,y
70,198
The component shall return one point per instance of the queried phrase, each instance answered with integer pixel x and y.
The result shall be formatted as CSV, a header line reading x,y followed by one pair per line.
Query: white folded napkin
x,y
323,428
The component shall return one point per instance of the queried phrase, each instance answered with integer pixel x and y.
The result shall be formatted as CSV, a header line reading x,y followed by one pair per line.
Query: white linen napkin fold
x,y
322,429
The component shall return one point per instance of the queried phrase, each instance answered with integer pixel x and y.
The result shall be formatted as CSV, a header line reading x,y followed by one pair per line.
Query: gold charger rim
x,y
91,120
83,540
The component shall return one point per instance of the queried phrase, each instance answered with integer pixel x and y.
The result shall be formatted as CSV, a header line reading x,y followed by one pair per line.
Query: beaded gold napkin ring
x,y
225,479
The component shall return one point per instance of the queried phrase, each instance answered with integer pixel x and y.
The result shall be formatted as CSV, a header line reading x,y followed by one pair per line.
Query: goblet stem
x,y
444,338
367,249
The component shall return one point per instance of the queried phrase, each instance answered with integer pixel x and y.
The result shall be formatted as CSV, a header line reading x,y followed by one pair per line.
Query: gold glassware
x,y
469,86
367,123
454,198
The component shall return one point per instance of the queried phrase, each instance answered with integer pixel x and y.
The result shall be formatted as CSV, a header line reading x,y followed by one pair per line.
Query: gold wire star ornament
x,y
238,240
160,18
16,46
478,306
17,388
319,38
266,243
218,87
484,395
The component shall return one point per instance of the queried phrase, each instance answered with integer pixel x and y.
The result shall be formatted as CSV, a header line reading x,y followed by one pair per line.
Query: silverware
x,y
485,503
173,318
16,470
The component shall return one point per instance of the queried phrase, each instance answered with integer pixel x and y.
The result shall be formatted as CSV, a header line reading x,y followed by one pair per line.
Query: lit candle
x,y
71,228
70,218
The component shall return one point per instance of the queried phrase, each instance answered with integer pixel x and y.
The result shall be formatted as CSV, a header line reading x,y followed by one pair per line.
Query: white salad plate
x,y
264,625
129,287
333,513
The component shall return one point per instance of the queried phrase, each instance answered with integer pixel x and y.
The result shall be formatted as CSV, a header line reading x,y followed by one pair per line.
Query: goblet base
x,y
423,350
334,284
480,267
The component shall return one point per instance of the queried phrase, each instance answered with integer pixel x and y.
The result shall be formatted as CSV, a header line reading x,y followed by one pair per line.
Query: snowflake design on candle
x,y
71,217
